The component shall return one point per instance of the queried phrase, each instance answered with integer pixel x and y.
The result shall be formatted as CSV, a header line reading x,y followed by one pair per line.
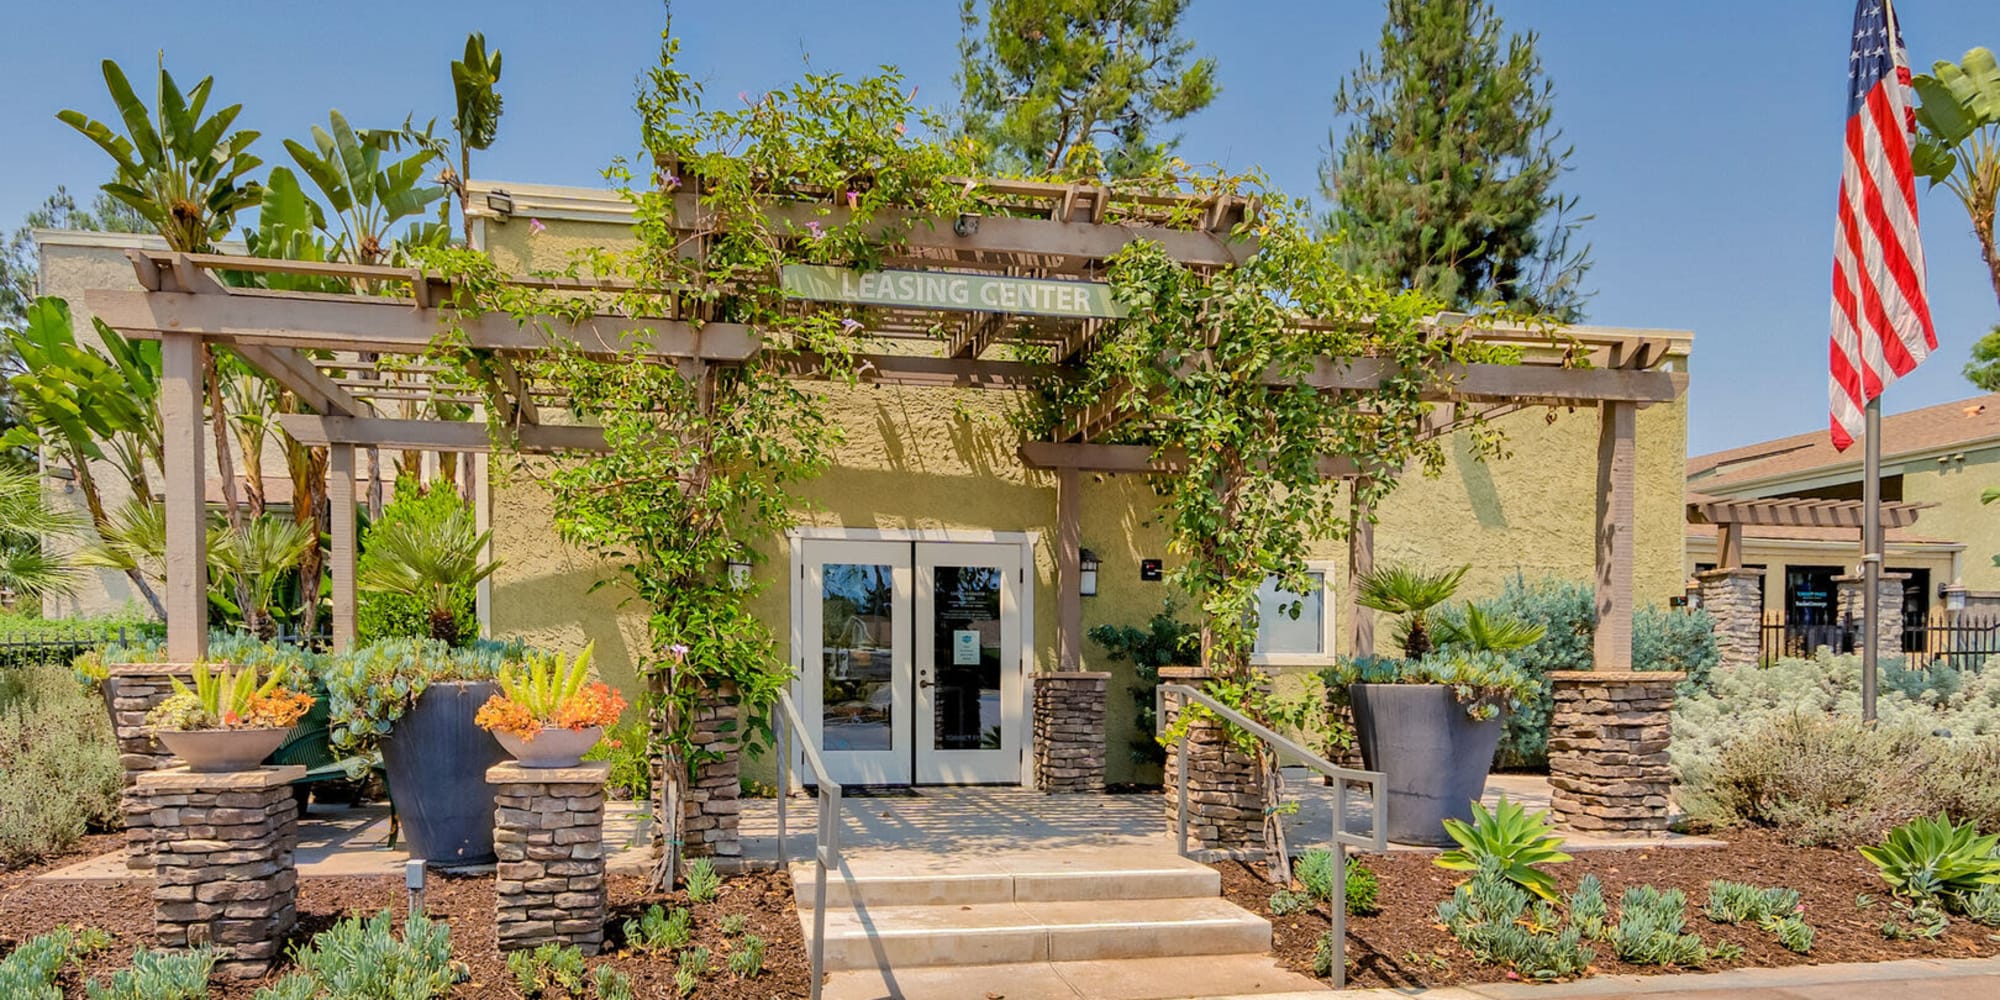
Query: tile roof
x,y
1964,422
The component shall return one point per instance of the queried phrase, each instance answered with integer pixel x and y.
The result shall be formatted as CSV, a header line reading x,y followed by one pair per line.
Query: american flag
x,y
1881,323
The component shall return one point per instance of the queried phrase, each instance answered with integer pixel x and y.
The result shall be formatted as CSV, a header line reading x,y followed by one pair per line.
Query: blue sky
x,y
1706,133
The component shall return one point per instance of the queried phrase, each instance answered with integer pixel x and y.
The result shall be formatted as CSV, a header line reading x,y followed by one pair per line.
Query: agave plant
x,y
1412,593
1511,838
429,559
178,166
1935,858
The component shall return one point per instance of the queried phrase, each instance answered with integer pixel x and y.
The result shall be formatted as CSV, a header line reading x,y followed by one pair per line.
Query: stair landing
x,y
1128,921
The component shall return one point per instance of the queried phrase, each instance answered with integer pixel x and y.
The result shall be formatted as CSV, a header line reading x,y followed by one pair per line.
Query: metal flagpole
x,y
1871,550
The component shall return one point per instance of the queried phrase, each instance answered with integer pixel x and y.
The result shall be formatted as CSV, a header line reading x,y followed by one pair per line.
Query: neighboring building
x,y
928,516
1942,455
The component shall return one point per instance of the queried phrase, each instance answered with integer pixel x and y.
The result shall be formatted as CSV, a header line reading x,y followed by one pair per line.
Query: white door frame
x,y
1027,542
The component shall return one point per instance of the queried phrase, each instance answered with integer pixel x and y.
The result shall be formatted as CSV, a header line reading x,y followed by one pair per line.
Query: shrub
x,y
1163,642
548,967
158,975
702,882
59,770
656,932
625,747
1651,929
1484,682
748,958
1490,916
689,967
612,984
1510,839
1285,902
395,614
1662,639
364,960
32,640
1833,780
1314,871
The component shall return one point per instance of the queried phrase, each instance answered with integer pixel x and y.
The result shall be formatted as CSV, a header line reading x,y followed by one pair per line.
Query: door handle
x,y
925,681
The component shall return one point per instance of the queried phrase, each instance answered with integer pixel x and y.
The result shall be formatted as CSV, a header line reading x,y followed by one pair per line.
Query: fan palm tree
x,y
132,540
28,569
1412,593
429,559
1494,633
256,561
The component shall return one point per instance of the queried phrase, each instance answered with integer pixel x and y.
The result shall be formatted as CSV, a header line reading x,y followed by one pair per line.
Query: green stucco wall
x,y
1954,485
935,458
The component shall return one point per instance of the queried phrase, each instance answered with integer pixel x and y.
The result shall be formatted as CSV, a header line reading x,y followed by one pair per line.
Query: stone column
x,y
1734,599
548,835
1849,599
1225,794
1608,735
223,864
132,690
1069,731
714,798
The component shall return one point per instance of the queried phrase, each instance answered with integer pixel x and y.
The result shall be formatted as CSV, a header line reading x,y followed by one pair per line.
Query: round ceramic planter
x,y
1435,757
552,747
436,759
214,751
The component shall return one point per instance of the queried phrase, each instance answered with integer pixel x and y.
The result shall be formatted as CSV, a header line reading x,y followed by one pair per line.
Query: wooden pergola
x,y
1732,515
352,358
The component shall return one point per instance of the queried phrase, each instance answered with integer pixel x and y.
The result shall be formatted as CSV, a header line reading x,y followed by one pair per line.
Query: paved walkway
x,y
1927,979
963,822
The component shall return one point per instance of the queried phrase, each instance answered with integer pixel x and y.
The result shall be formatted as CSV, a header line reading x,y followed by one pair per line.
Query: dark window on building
x,y
1916,607
1809,594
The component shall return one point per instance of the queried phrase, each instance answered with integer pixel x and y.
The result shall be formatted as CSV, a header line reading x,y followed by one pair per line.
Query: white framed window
x,y
1295,629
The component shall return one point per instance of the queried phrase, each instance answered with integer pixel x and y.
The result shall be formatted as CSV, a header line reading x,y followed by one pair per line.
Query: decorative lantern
x,y
1086,577
739,573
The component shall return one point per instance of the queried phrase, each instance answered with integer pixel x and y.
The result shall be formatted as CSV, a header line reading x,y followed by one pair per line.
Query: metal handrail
x,y
826,849
1377,839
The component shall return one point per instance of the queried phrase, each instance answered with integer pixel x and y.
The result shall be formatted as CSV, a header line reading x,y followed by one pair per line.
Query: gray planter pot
x,y
552,747
1435,757
436,760
218,751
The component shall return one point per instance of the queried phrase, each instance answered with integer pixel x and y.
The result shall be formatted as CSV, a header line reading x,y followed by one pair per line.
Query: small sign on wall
x,y
1149,570
965,647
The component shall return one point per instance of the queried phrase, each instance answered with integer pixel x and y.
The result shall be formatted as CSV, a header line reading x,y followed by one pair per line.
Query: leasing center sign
x,y
948,290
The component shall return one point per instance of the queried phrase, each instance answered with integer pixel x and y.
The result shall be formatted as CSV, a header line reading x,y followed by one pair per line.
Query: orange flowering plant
x,y
230,699
549,693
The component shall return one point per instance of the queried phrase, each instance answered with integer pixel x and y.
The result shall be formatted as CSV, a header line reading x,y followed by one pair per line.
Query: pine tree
x,y
1445,180
1078,88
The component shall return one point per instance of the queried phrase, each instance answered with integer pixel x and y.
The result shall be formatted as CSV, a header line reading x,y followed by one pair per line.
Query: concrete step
x,y
1104,979
918,880
903,936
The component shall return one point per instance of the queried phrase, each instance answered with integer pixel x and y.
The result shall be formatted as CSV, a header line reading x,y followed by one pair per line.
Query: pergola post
x,y
1616,468
184,478
1069,569
340,495
1360,563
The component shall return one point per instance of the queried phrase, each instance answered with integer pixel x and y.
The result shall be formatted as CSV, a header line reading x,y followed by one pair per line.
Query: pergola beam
x,y
398,326
436,435
296,372
1060,455
1491,383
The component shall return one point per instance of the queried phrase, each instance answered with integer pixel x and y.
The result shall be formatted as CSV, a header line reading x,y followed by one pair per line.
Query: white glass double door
x,y
909,657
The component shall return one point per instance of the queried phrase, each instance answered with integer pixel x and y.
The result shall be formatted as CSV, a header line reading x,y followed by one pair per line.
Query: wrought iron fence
x,y
1963,642
60,645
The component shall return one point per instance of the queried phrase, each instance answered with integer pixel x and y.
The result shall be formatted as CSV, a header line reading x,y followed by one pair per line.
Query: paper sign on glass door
x,y
965,647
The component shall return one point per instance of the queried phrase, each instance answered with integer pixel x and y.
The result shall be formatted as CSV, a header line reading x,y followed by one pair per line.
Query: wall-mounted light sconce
x,y
1086,576
1954,596
739,573
1693,592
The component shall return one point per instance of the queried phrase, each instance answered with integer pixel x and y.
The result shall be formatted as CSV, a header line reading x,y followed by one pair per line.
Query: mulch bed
x,y
1404,946
124,908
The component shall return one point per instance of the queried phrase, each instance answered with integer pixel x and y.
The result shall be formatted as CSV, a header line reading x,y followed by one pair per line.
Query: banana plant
x,y
548,682
1958,143
178,166
475,82
367,194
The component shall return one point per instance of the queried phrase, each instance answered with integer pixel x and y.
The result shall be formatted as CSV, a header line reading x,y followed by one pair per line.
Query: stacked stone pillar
x,y
712,803
1608,736
1225,792
1068,746
222,856
1734,600
548,836
130,691
1850,593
